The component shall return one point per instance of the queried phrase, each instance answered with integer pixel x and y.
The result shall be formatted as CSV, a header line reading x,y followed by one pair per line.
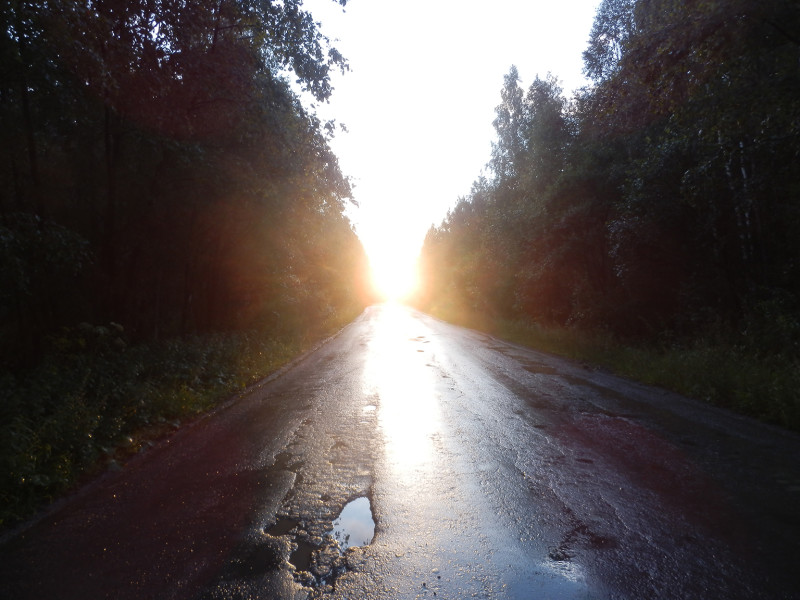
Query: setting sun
x,y
394,273
392,250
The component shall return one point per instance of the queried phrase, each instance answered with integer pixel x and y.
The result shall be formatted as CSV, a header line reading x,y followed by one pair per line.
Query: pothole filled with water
x,y
282,526
355,525
318,561
300,556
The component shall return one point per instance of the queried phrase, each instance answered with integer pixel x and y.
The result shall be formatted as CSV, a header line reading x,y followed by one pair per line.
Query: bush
x,y
95,398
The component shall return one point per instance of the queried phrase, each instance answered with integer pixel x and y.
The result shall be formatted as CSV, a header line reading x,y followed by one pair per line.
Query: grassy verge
x,y
716,369
94,401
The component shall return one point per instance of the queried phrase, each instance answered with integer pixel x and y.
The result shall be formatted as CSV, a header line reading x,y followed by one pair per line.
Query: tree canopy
x,y
158,170
659,200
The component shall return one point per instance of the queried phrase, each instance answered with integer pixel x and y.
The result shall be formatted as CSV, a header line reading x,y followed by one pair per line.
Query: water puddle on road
x,y
282,526
317,564
355,525
301,555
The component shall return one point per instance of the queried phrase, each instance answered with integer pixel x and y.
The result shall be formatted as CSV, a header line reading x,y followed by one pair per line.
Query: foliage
x,y
657,205
39,262
157,171
95,399
167,138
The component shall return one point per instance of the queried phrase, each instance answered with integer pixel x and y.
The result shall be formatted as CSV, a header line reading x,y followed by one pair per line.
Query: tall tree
x,y
662,196
162,133
613,27
508,150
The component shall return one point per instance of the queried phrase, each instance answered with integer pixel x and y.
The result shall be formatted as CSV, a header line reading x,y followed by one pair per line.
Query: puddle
x,y
301,557
354,526
283,526
320,564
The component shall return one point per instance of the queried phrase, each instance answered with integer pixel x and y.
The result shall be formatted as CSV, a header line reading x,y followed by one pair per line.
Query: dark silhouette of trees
x,y
159,172
658,199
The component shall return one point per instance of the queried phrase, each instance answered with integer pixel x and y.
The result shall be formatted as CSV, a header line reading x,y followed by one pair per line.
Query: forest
x,y
658,209
171,220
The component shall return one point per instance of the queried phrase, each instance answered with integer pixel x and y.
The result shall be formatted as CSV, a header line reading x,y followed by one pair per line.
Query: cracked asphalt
x,y
491,470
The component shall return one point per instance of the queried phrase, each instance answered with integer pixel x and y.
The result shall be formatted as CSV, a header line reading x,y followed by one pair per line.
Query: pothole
x,y
301,557
355,525
283,526
318,561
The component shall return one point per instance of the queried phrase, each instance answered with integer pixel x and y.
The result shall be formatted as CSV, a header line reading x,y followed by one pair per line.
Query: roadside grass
x,y
95,401
720,369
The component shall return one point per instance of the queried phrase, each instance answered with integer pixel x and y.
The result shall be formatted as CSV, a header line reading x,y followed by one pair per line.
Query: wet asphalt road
x,y
492,471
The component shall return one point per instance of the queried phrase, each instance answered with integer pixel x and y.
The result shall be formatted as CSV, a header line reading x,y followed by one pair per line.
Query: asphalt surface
x,y
487,470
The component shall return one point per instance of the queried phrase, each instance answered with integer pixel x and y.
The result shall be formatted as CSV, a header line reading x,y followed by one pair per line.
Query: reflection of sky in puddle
x,y
355,526
397,373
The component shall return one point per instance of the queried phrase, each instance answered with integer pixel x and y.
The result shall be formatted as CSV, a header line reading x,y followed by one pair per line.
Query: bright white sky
x,y
419,101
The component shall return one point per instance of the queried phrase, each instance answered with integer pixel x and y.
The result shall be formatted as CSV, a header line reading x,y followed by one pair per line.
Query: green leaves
x,y
612,29
90,403
32,249
659,199
158,172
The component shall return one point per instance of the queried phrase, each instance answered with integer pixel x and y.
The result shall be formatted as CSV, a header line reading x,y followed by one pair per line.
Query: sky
x,y
419,99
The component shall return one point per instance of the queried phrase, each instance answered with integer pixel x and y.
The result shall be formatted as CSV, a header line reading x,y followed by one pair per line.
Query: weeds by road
x,y
96,400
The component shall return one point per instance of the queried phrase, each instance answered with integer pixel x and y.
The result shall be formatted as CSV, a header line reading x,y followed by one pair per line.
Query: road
x,y
488,471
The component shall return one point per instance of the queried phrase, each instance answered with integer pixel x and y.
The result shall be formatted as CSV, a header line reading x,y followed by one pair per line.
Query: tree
x,y
662,197
715,80
613,27
507,152
166,135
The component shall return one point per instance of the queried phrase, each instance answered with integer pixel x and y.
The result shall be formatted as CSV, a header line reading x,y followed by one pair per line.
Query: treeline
x,y
650,223
159,172
171,219
660,204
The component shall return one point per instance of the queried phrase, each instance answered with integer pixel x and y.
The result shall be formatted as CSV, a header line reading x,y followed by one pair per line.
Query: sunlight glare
x,y
417,138
393,266
394,278
398,376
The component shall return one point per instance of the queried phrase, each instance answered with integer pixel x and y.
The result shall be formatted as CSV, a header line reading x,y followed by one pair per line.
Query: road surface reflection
x,y
396,372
